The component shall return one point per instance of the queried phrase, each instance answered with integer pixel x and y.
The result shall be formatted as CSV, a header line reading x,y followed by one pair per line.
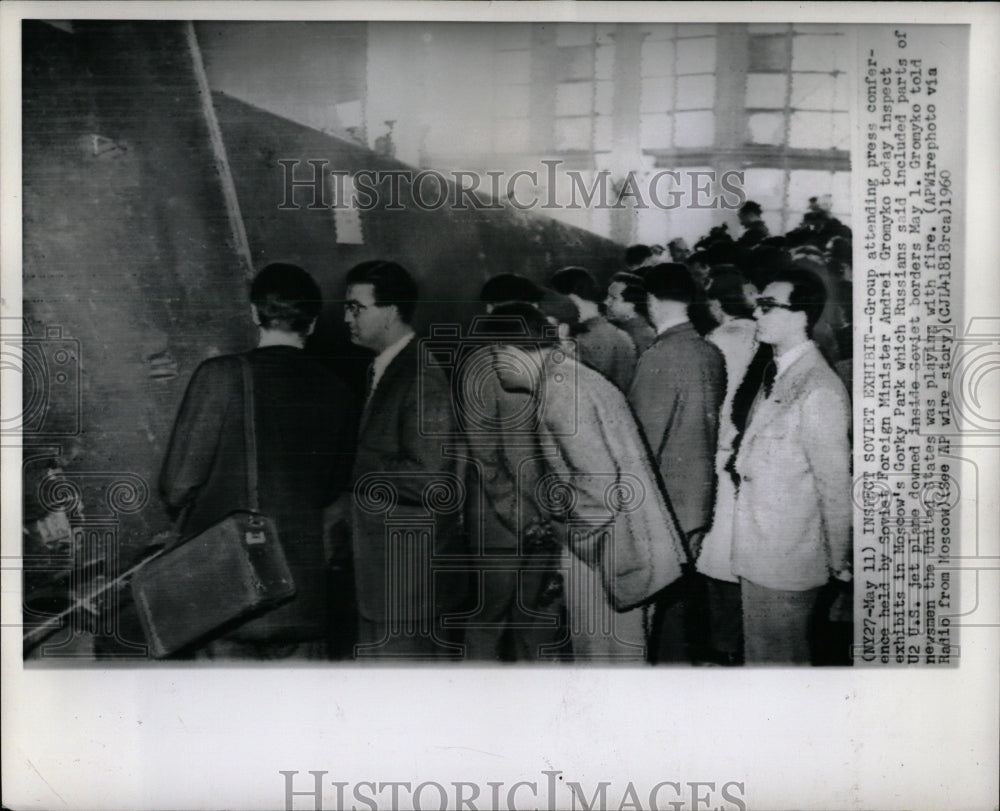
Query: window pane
x,y
808,130
513,35
766,128
842,131
814,53
841,190
803,184
767,28
657,58
696,55
695,129
514,67
659,32
686,30
604,34
572,133
768,53
656,95
695,92
655,131
603,132
604,98
765,186
841,92
604,67
812,91
510,134
574,98
574,63
512,99
766,90
818,28
568,34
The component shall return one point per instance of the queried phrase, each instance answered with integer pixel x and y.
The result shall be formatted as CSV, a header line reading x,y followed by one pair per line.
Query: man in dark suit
x,y
626,308
679,386
599,343
407,493
304,425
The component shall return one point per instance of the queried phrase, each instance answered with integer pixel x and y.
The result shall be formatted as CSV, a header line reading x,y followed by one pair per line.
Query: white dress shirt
x,y
384,358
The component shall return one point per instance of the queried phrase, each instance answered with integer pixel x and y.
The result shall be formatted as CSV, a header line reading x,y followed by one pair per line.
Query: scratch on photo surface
x,y
32,765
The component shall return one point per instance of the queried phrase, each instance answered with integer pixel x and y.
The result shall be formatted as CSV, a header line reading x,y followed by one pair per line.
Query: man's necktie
x,y
770,372
370,384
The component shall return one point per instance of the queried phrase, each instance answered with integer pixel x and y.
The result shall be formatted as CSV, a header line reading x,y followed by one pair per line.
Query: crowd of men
x,y
652,469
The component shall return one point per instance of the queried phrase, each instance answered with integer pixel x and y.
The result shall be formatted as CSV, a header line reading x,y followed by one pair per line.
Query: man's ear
x,y
254,314
563,331
312,326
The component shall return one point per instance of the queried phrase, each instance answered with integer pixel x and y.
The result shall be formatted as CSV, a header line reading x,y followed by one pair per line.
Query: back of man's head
x,y
287,298
510,287
670,281
636,255
391,283
521,324
634,291
576,281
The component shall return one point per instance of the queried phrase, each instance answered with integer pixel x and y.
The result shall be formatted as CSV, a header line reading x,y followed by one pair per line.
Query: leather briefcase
x,y
231,572
212,583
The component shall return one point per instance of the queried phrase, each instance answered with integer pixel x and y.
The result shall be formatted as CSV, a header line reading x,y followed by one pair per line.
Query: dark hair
x,y
634,291
726,287
287,298
523,325
751,207
637,254
559,307
576,281
808,293
671,281
509,287
392,283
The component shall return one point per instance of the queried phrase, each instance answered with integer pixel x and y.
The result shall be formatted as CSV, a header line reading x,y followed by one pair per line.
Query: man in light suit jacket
x,y
407,494
679,386
792,527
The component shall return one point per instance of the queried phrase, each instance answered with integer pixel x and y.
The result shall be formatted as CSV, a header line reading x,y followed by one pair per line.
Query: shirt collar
x,y
386,356
673,322
784,361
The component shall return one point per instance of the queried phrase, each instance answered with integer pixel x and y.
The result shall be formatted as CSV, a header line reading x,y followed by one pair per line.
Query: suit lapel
x,y
786,387
383,389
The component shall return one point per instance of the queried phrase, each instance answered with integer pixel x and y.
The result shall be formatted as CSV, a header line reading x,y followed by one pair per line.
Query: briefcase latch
x,y
254,533
254,536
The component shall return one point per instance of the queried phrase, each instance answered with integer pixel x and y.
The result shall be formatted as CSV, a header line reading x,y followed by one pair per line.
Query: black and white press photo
x,y
552,371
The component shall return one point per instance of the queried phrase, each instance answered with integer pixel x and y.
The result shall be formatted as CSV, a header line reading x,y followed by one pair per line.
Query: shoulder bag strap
x,y
249,433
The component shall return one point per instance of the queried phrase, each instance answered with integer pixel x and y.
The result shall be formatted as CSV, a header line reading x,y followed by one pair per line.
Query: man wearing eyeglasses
x,y
397,526
792,528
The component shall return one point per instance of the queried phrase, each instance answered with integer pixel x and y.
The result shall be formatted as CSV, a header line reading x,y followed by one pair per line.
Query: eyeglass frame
x,y
768,303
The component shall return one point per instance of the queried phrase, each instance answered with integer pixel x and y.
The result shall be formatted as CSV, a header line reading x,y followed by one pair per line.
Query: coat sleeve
x,y
825,423
654,398
195,439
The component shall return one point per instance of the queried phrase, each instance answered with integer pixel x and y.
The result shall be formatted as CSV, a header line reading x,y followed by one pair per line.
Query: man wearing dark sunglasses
x,y
792,528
